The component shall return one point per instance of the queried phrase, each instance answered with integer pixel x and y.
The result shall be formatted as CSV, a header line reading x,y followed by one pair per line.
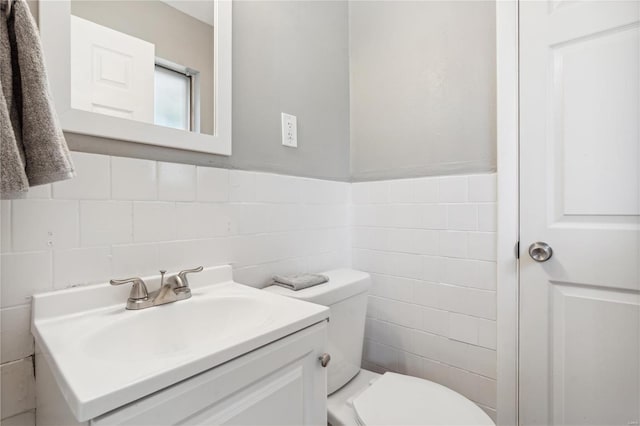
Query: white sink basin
x,y
103,356
172,330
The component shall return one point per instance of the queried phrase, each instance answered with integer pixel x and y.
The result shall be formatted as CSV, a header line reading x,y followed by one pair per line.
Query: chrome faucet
x,y
176,288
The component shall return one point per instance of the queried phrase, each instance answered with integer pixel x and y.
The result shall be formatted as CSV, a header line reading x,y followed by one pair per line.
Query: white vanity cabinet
x,y
230,354
282,383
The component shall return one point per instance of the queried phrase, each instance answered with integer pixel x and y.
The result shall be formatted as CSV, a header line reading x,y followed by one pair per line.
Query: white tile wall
x,y
17,387
176,182
429,244
40,224
122,217
132,179
213,184
95,184
15,338
104,223
27,418
22,275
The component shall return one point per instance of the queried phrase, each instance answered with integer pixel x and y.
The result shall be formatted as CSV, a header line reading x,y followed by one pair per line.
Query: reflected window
x,y
174,98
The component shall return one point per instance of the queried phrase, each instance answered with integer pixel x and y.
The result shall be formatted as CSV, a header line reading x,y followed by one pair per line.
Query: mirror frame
x,y
56,41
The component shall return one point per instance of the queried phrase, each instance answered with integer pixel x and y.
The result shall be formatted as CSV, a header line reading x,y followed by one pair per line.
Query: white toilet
x,y
361,397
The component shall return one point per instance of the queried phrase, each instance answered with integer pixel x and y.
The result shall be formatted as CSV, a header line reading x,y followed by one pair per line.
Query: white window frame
x,y
194,89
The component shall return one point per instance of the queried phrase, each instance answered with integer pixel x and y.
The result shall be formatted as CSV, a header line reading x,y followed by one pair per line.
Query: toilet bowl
x,y
361,397
396,399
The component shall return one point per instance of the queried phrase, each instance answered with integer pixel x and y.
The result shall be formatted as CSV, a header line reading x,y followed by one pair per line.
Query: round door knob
x,y
540,252
324,359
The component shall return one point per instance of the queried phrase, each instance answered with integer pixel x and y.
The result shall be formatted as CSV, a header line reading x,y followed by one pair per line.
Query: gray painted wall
x,y
422,88
288,56
293,57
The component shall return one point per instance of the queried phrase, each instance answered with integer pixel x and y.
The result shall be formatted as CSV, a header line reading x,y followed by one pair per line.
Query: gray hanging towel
x,y
33,151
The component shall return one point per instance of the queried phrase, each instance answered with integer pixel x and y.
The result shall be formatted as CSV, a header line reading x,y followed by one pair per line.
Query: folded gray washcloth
x,y
299,282
34,151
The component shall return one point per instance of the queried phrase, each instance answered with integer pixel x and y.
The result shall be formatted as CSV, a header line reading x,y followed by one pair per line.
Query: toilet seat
x,y
395,399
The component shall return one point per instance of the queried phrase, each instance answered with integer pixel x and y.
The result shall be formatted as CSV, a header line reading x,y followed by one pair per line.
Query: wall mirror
x,y
150,71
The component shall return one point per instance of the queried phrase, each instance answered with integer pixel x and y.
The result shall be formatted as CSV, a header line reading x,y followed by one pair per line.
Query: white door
x,y
579,129
112,73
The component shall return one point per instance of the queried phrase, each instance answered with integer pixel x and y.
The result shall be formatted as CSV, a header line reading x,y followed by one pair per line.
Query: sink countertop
x,y
104,356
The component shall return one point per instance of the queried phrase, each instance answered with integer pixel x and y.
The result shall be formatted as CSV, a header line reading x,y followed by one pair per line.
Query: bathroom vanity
x,y
231,354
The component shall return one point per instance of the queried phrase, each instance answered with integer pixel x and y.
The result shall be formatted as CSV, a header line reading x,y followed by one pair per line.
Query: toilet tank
x,y
346,296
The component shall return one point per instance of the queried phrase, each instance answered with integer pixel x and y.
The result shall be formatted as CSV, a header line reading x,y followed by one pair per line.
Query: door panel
x,y
595,121
580,193
282,394
599,381
112,73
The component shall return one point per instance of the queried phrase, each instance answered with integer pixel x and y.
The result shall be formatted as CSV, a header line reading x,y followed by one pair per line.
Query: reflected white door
x,y
580,190
112,73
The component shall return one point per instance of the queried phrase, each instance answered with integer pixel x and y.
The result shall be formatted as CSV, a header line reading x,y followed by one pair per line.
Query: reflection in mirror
x,y
145,60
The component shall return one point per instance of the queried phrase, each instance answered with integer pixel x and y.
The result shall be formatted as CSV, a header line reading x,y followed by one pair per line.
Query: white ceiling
x,y
199,9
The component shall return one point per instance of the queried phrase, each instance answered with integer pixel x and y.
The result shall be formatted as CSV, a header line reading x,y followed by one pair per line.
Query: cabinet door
x,y
280,384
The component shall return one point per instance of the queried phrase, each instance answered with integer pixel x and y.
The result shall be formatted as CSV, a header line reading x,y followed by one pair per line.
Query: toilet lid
x,y
395,399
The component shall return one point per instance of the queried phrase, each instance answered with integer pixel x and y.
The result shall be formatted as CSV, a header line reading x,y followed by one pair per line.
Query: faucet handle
x,y
182,280
138,291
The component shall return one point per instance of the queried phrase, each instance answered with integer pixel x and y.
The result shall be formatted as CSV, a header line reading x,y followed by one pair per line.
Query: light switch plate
x,y
289,130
